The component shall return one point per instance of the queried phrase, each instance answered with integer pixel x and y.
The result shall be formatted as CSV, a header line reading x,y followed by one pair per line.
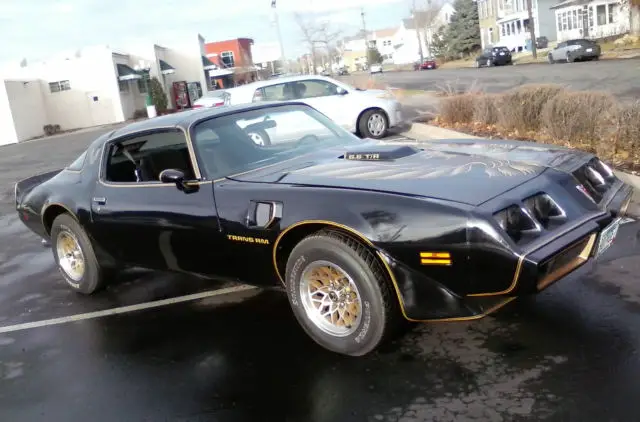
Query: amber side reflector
x,y
435,258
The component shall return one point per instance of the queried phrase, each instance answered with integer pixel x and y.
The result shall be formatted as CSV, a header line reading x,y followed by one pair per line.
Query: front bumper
x,y
425,299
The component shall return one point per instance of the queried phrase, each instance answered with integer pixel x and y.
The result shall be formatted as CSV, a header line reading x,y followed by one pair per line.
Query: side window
x,y
279,92
313,88
142,158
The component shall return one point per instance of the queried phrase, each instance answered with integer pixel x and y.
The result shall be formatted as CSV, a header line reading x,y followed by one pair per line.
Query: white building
x,y
408,41
513,22
92,86
590,19
383,40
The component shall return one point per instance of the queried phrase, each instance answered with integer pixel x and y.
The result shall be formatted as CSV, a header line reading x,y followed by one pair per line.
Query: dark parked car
x,y
494,56
574,50
359,233
542,42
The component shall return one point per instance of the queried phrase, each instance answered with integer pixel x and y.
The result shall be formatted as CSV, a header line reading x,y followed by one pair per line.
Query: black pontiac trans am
x,y
362,234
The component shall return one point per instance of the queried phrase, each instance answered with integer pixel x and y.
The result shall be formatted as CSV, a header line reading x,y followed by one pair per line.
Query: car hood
x,y
466,172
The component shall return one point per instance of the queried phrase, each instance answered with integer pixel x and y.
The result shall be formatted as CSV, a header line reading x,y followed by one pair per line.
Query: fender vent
x,y
380,153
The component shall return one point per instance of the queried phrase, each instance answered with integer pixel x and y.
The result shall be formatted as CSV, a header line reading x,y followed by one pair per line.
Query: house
x,y
488,14
234,61
353,51
382,40
513,22
590,19
409,42
434,21
94,86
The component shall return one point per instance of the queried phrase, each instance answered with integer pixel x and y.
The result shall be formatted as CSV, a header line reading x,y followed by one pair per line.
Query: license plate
x,y
607,236
589,50
502,54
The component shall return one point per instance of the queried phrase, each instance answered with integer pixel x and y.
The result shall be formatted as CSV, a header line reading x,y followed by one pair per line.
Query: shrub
x,y
627,135
580,116
521,108
486,109
458,108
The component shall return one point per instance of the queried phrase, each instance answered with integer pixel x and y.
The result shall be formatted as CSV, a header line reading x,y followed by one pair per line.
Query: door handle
x,y
100,201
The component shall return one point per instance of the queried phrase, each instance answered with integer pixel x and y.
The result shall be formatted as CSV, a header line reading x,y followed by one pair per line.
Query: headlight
x,y
517,223
544,209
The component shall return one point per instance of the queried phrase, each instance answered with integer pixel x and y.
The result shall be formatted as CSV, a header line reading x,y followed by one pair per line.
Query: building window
x,y
601,13
559,17
227,59
613,10
123,86
579,18
59,86
569,21
142,86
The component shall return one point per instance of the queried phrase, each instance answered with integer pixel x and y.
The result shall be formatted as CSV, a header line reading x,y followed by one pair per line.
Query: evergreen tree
x,y
374,55
463,33
158,96
439,43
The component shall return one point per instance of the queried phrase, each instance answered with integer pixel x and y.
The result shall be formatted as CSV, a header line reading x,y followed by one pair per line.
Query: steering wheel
x,y
307,138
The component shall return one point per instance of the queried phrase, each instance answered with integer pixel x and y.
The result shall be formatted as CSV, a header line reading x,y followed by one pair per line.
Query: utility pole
x,y
366,38
416,25
283,59
532,30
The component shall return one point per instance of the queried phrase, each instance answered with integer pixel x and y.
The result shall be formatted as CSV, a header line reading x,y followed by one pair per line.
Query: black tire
x,y
363,127
94,276
380,317
550,59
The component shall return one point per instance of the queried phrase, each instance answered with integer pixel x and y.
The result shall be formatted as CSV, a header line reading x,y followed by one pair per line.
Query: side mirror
x,y
176,177
341,91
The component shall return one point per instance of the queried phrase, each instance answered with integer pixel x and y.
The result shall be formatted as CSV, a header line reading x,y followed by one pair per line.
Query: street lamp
x,y
145,68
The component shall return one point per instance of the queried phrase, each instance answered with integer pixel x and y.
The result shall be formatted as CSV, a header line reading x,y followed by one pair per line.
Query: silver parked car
x,y
572,50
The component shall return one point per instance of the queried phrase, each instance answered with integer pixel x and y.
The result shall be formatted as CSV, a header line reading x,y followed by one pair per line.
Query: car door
x,y
559,53
325,97
144,222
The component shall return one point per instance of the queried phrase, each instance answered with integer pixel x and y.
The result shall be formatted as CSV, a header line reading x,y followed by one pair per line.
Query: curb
x,y
424,132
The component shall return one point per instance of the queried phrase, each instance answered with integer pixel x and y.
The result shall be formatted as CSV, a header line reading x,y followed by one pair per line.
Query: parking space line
x,y
124,309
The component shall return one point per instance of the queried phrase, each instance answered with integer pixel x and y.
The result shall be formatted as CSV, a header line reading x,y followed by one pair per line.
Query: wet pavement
x,y
569,354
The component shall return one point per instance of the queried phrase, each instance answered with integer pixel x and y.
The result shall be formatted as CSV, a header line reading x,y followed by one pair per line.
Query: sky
x,y
37,29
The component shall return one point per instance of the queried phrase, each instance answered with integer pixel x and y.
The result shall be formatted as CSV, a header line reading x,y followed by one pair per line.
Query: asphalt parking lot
x,y
570,354
616,76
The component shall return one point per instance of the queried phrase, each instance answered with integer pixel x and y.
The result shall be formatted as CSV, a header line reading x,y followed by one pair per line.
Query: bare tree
x,y
319,36
424,14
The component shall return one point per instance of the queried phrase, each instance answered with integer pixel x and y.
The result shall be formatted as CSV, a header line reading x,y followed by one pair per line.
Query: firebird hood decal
x,y
424,165
459,176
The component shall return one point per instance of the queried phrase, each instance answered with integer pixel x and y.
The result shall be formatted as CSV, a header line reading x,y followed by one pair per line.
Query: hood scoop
x,y
380,153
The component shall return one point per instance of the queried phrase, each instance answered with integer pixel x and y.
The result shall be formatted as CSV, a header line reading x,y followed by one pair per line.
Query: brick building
x,y
234,55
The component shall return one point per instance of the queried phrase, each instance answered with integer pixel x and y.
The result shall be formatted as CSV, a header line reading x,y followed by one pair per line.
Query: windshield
x,y
248,140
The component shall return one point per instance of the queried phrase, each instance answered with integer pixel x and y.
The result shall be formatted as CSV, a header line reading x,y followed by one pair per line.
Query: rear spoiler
x,y
24,186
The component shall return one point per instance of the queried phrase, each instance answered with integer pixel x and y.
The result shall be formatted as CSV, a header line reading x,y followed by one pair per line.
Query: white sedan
x,y
376,68
368,113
